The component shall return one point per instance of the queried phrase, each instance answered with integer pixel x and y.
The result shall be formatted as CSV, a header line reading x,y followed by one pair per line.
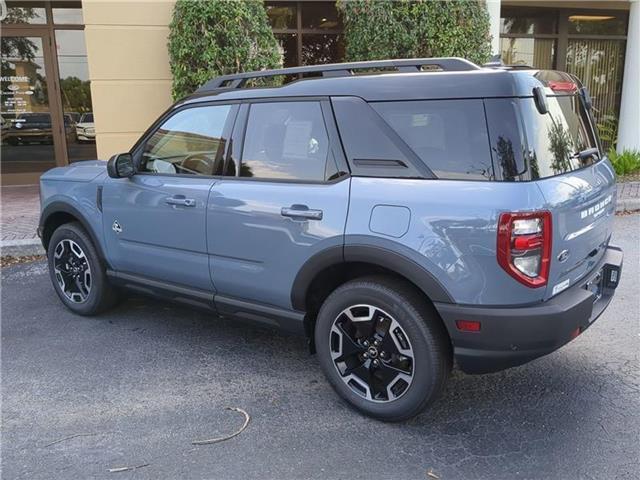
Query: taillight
x,y
557,86
524,246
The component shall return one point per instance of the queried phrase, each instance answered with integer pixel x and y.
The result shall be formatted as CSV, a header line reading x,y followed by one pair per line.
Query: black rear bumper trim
x,y
511,336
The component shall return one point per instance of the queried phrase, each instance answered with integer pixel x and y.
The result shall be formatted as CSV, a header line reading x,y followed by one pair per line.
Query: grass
x,y
625,163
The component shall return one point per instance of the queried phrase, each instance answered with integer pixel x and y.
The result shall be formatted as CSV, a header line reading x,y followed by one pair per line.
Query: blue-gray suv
x,y
401,214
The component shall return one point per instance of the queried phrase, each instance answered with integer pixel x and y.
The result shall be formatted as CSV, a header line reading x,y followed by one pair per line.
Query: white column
x,y
493,7
629,126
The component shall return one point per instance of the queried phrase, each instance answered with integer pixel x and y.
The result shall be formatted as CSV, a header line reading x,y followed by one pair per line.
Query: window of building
x,y
587,43
189,142
450,136
308,32
25,12
598,24
286,141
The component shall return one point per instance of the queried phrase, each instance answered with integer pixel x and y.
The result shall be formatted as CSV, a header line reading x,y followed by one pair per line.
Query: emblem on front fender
x,y
116,227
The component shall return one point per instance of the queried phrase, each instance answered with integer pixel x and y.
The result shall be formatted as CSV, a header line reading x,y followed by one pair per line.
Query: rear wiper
x,y
585,154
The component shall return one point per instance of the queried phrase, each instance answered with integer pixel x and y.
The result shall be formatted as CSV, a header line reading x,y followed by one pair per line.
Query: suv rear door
x,y
580,194
284,199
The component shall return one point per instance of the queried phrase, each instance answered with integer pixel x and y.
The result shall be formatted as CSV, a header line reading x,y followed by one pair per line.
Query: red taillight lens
x,y
557,86
524,246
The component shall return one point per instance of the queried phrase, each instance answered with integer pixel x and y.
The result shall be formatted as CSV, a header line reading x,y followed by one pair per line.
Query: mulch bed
x,y
9,260
631,177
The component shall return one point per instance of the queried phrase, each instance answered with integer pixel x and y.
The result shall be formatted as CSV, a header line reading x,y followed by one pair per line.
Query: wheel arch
x,y
58,213
334,266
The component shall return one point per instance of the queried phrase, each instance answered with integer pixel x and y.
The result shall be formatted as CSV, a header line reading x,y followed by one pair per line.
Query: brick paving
x,y
21,211
20,214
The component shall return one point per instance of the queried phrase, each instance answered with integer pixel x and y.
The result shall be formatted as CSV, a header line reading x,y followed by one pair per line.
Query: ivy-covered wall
x,y
381,29
209,38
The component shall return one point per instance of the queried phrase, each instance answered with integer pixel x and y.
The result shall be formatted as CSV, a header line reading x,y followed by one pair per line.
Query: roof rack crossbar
x,y
450,64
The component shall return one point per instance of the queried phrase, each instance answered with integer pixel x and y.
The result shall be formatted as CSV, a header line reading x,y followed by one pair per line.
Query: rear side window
x,y
287,141
554,138
449,136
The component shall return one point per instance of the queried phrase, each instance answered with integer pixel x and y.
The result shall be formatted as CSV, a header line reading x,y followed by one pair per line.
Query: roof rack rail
x,y
450,64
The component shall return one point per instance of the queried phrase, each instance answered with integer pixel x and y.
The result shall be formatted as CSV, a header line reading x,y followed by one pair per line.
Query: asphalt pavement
x,y
136,386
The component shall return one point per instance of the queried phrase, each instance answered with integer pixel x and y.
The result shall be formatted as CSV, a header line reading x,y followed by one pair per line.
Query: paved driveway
x,y
146,379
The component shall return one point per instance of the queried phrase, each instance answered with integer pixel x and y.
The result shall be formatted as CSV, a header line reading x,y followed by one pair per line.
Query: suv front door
x,y
154,222
286,199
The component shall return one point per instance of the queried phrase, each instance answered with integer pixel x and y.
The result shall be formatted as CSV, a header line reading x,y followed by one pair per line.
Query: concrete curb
x,y
628,205
21,248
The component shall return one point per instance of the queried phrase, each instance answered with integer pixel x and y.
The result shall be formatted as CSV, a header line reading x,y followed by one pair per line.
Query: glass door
x,y
30,126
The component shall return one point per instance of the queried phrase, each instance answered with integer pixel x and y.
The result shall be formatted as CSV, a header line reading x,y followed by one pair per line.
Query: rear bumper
x,y
511,336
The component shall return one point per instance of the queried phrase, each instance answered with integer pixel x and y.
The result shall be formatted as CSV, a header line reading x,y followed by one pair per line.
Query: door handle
x,y
301,211
180,200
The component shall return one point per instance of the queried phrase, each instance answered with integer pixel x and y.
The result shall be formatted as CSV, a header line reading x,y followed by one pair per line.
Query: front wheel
x,y
382,347
77,273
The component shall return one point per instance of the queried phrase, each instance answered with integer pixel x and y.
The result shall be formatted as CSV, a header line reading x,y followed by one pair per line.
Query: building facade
x,y
83,80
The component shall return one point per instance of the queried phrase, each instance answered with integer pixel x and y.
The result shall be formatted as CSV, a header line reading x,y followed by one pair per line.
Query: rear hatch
x,y
579,191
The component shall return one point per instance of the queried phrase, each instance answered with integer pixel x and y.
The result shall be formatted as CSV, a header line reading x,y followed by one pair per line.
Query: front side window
x,y
449,136
189,142
287,141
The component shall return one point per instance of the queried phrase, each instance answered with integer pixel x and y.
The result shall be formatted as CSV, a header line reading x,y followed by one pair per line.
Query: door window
x,y
287,141
190,142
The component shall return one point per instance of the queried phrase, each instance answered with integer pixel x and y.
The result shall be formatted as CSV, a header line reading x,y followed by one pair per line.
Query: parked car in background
x,y
85,128
28,128
400,220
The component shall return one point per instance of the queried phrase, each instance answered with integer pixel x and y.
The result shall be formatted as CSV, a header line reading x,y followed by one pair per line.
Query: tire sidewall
x,y
75,233
425,382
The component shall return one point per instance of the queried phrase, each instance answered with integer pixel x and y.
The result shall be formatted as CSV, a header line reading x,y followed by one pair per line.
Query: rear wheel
x,y
77,272
382,347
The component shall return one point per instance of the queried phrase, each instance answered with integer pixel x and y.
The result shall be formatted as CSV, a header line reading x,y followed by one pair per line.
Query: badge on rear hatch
x,y
597,209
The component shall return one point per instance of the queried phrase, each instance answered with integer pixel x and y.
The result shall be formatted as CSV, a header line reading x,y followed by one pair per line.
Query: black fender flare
x,y
62,207
377,255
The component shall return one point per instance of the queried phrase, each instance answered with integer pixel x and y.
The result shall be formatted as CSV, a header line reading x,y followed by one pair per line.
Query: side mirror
x,y
121,166
540,99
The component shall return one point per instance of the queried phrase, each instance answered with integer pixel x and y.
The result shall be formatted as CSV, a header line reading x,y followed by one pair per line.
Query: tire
x,y
419,366
70,241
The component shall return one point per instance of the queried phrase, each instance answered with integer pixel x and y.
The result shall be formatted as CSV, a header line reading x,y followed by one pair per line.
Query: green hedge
x,y
381,29
211,37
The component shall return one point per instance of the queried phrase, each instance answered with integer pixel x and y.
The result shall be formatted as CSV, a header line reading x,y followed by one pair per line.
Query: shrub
x,y
380,29
209,38
608,130
626,162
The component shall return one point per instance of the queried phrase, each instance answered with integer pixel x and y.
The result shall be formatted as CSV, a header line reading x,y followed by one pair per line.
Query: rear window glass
x,y
450,136
556,137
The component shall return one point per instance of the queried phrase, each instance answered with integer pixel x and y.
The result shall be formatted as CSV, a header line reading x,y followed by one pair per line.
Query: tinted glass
x,y
505,135
25,12
27,134
319,49
320,15
288,44
555,137
286,140
528,23
67,15
76,93
535,52
189,142
282,15
450,136
598,24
